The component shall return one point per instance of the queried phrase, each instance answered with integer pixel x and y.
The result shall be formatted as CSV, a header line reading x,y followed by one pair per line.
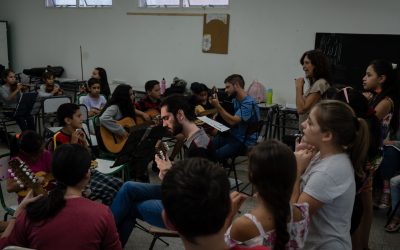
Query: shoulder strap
x,y
256,223
55,140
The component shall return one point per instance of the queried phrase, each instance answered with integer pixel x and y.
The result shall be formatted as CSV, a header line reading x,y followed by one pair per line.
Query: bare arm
x,y
383,108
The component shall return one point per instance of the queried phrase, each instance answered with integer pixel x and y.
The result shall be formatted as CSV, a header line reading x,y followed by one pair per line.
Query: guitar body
x,y
112,142
153,113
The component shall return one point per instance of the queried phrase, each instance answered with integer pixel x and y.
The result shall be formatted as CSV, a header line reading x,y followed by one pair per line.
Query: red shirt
x,y
81,224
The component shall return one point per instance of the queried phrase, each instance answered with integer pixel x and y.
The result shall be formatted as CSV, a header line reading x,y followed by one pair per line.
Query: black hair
x,y
29,142
47,75
149,85
320,63
235,78
66,110
122,99
195,195
267,161
178,102
359,103
197,88
390,88
104,86
6,73
70,164
93,81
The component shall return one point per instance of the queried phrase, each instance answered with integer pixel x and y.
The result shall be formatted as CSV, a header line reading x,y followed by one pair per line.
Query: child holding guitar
x,y
149,105
119,106
30,149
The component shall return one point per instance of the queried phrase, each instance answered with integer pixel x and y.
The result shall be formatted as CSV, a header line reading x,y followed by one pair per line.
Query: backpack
x,y
257,91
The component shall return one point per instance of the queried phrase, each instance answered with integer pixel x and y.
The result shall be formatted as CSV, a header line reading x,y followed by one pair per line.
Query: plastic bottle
x,y
163,86
269,96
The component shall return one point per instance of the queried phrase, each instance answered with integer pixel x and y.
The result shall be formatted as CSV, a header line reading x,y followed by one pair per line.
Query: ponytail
x,y
359,148
281,212
47,206
267,161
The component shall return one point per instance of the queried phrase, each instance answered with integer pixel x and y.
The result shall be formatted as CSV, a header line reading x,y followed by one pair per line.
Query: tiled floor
x,y
379,239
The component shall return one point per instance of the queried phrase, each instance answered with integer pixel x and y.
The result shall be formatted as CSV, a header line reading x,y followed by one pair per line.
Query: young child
x,y
101,75
274,222
29,148
101,187
49,88
195,195
94,101
63,219
10,93
381,80
333,148
361,219
152,99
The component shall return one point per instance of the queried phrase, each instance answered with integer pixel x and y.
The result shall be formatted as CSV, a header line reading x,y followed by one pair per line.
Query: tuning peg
x,y
21,186
15,178
12,174
9,170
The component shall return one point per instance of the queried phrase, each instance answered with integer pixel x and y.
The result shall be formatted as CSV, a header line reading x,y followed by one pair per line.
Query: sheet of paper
x,y
218,126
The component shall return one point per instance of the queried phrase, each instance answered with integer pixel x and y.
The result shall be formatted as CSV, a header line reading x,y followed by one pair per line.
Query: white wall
x,y
266,40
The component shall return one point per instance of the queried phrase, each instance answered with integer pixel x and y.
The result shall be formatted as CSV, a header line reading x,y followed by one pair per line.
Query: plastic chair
x,y
50,106
4,159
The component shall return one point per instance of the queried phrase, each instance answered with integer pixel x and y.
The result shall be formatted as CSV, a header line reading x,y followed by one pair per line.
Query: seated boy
x,y
197,204
94,101
152,100
101,187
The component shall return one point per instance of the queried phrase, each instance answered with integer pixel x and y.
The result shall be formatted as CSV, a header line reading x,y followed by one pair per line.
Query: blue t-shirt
x,y
249,112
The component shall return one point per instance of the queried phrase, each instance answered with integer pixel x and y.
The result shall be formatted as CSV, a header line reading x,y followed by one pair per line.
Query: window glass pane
x,y
95,2
64,2
162,2
188,3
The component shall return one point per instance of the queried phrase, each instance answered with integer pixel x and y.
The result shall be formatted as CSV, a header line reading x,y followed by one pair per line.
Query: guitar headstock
x,y
162,149
24,176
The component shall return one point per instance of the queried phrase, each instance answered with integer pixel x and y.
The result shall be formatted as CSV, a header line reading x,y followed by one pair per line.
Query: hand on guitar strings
x,y
163,165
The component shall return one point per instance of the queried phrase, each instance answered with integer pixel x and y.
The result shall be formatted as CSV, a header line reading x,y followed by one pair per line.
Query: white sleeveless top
x,y
298,231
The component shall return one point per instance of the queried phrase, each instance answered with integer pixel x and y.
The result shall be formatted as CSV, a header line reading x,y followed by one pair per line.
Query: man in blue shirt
x,y
246,112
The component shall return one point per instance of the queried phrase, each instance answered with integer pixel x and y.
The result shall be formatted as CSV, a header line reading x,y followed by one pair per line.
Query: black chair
x,y
254,127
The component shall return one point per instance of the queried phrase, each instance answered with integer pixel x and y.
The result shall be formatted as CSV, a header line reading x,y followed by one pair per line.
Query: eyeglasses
x,y
346,95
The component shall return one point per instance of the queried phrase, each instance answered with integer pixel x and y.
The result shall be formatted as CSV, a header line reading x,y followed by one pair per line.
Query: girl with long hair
x,y
274,222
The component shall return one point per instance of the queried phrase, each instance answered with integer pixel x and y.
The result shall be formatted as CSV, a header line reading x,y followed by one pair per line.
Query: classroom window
x,y
182,3
79,3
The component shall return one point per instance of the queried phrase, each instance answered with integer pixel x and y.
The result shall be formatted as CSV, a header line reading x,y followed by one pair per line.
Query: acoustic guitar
x,y
29,180
112,142
154,115
162,149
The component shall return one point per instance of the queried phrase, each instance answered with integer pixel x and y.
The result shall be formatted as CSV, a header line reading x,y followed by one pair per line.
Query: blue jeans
x,y
136,200
395,192
390,162
226,146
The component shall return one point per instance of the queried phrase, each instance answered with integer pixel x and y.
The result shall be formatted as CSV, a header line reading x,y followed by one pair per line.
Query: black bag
x,y
38,72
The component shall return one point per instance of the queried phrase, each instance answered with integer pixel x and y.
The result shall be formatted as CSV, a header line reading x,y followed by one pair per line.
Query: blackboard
x,y
350,54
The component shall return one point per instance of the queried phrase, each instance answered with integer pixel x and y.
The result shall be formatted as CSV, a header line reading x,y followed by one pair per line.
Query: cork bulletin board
x,y
215,33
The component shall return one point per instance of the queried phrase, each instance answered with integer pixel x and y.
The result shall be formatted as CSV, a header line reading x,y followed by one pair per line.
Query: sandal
x,y
393,226
385,201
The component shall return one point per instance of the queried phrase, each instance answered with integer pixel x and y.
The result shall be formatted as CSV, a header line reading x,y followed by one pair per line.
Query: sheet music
x,y
219,126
